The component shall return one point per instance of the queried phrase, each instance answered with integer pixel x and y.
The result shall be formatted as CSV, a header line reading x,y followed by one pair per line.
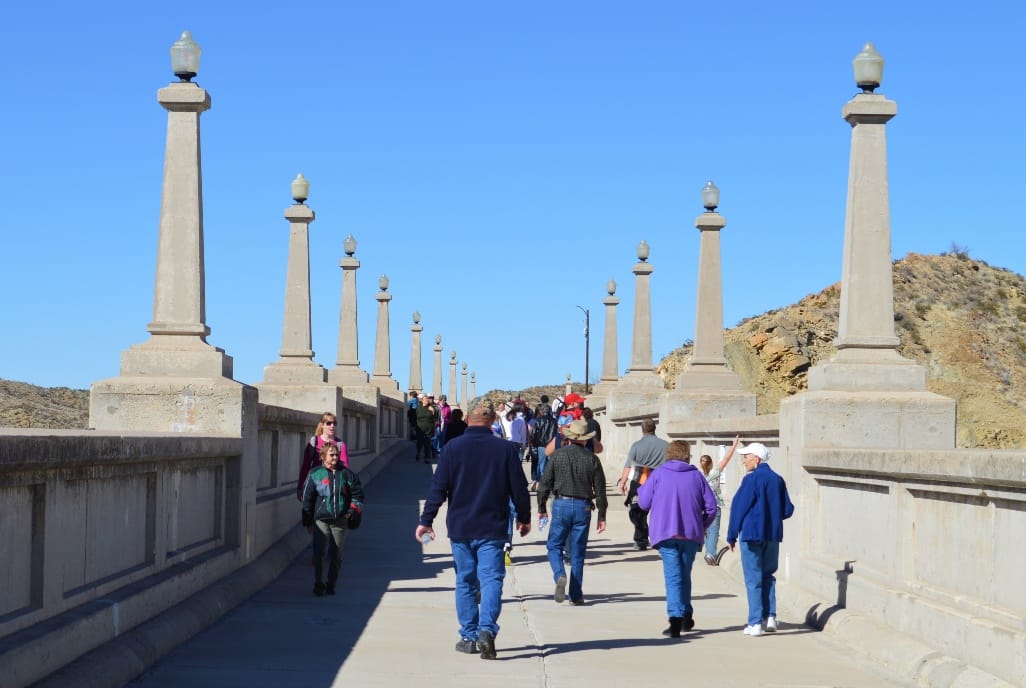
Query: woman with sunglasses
x,y
311,454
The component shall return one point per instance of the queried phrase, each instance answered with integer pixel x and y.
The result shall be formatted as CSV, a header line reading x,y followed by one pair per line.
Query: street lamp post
x,y
587,345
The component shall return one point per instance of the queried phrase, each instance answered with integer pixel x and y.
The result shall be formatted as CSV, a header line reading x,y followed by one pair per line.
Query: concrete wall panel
x,y
20,559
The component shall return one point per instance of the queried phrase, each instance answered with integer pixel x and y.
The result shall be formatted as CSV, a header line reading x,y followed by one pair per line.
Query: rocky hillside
x,y
964,320
26,406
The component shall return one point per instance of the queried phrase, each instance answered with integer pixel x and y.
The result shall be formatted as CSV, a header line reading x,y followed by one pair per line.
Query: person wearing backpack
x,y
332,505
542,432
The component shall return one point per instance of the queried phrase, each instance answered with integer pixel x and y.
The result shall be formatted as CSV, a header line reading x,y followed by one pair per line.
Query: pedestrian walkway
x,y
393,622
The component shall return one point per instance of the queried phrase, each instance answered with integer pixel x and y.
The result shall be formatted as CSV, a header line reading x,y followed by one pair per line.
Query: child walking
x,y
331,496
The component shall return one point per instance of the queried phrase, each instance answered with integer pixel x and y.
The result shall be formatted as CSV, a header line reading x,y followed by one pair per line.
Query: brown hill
x,y
960,318
27,406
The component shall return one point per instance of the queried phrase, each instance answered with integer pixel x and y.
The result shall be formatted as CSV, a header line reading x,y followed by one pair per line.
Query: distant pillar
x,y
609,347
473,385
568,387
382,378
453,392
416,379
436,377
707,370
463,386
347,365
641,371
296,364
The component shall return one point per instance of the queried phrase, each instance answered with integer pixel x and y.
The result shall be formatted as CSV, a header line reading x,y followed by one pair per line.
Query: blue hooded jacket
x,y
759,508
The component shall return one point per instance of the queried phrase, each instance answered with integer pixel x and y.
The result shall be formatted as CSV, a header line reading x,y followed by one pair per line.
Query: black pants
x,y
423,444
637,515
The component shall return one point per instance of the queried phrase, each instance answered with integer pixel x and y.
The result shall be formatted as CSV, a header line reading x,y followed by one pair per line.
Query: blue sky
x,y
499,161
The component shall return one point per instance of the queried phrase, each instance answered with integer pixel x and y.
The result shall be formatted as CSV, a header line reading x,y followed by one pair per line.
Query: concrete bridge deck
x,y
394,622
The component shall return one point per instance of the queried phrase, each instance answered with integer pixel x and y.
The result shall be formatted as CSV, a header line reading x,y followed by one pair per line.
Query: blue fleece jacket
x,y
759,508
478,474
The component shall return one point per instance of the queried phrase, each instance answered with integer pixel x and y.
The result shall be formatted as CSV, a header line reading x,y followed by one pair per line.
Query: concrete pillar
x,y
296,364
473,387
463,386
866,396
347,366
454,399
568,387
436,377
295,381
382,378
610,372
707,388
641,372
416,378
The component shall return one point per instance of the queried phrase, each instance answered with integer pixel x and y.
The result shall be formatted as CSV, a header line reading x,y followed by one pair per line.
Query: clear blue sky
x,y
499,161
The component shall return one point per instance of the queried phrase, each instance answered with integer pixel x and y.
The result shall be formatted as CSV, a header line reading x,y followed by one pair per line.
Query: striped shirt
x,y
573,471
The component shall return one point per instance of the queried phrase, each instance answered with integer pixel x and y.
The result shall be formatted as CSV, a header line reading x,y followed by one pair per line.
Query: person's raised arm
x,y
730,452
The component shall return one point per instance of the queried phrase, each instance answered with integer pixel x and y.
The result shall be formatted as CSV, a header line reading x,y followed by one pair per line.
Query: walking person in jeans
x,y
757,515
479,474
681,506
575,479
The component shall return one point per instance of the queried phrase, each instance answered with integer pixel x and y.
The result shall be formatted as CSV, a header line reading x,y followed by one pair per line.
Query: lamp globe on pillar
x,y
643,251
185,57
710,197
383,283
300,189
349,245
611,287
868,66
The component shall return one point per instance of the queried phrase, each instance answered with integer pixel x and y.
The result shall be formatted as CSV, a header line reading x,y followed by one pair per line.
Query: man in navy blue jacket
x,y
757,515
478,474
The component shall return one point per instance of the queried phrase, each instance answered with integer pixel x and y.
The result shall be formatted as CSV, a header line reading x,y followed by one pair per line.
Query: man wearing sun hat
x,y
757,515
577,483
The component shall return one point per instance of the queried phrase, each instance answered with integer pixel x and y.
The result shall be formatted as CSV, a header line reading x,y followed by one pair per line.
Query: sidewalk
x,y
393,621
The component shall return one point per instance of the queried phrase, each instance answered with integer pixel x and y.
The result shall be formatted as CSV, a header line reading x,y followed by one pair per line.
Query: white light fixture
x,y
349,245
868,66
185,57
710,196
300,189
643,251
383,283
611,287
438,339
416,316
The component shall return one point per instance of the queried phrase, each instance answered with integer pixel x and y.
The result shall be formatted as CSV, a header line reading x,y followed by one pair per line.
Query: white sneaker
x,y
754,630
770,624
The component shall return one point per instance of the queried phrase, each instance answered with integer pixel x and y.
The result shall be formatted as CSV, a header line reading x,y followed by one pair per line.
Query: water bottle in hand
x,y
542,522
425,539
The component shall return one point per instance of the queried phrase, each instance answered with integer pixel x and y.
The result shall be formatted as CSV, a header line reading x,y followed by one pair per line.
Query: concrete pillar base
x,y
344,376
641,378
312,398
675,405
865,370
175,356
301,371
387,386
708,378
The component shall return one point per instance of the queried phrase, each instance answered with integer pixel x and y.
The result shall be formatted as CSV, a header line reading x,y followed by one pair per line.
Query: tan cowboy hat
x,y
578,430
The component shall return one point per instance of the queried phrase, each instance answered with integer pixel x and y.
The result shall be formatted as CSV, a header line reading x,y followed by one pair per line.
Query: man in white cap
x,y
757,515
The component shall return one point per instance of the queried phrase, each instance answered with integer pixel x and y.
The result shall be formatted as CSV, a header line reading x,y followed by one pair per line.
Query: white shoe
x,y
754,630
770,624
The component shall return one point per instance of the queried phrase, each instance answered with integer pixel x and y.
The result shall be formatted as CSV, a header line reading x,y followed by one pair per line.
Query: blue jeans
x,y
678,557
479,567
712,534
436,441
542,460
568,529
759,562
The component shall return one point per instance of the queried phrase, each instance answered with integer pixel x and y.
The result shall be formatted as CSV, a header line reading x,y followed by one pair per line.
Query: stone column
x,y
463,386
473,386
296,364
175,381
641,371
707,388
416,378
610,374
568,387
382,378
454,399
436,377
347,366
295,381
866,396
